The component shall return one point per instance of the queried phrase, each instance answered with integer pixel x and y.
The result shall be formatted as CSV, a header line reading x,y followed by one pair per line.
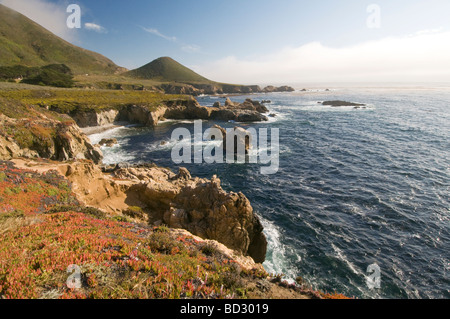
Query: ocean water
x,y
355,187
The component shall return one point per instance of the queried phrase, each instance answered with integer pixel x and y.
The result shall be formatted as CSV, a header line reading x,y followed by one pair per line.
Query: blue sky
x,y
247,41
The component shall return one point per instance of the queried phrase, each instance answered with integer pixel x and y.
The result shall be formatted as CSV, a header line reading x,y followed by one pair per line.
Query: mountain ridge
x,y
167,69
25,42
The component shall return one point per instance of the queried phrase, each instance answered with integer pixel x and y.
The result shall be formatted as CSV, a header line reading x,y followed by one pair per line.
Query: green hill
x,y
24,42
166,69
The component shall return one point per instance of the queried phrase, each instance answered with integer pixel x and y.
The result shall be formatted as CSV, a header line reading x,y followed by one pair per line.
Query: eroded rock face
x,y
92,118
45,138
200,206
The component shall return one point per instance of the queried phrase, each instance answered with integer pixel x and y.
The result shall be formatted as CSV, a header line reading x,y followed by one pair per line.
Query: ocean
x,y
355,187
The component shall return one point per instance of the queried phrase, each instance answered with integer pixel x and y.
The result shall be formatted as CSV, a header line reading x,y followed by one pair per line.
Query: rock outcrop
x,y
197,205
341,103
248,111
200,206
108,142
45,138
92,118
272,89
211,89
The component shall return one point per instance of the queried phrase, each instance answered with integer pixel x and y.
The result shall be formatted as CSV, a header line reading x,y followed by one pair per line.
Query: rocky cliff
x,y
211,89
249,111
200,206
45,138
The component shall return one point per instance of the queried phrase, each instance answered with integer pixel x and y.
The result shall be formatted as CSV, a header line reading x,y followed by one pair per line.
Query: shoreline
x,y
92,130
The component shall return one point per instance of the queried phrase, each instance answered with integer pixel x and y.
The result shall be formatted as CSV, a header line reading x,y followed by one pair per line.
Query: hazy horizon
x,y
265,41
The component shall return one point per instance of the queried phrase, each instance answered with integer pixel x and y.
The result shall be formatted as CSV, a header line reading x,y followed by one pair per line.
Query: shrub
x,y
209,249
58,75
134,212
163,243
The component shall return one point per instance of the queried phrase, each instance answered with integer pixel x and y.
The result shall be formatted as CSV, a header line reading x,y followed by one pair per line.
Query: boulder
x,y
229,103
108,142
338,103
50,139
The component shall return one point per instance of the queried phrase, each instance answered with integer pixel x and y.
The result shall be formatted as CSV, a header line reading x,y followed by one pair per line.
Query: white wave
x,y
115,155
341,256
96,138
276,258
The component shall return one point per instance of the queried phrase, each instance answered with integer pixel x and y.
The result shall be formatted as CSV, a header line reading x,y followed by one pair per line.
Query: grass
x,y
24,42
66,101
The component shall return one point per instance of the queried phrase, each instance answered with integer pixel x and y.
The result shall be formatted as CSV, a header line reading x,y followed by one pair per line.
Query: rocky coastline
x,y
179,201
190,109
145,196
211,89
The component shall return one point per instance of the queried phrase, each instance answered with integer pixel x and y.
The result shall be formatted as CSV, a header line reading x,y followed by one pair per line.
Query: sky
x,y
264,41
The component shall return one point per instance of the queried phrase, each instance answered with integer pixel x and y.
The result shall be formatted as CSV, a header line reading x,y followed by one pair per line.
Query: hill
x,y
166,69
24,42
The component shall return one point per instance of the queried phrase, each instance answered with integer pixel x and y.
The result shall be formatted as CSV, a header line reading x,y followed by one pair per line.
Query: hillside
x,y
24,42
166,69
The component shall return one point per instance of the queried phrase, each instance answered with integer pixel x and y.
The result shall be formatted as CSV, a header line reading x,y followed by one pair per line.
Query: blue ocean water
x,y
355,187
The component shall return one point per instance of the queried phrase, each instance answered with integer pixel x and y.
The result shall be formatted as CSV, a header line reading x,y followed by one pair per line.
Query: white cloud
x,y
191,48
420,57
188,48
159,34
51,16
95,27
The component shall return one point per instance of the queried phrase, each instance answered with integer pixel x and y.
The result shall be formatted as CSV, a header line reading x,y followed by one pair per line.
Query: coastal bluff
x,y
200,206
181,109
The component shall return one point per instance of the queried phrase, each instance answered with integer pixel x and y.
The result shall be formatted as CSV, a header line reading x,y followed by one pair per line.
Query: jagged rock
x,y
229,103
108,142
92,118
49,139
183,174
200,206
192,110
141,114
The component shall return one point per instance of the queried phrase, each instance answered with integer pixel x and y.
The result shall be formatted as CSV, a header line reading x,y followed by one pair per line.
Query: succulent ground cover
x,y
44,229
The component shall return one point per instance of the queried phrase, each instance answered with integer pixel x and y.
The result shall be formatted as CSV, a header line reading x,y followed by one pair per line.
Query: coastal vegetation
x,y
57,75
44,229
69,100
